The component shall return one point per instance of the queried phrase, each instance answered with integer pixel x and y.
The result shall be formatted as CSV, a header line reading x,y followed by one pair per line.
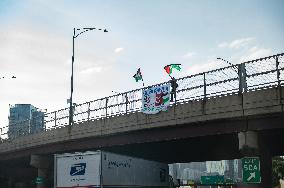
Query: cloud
x,y
236,44
255,53
248,51
188,55
223,45
211,64
91,70
37,48
118,50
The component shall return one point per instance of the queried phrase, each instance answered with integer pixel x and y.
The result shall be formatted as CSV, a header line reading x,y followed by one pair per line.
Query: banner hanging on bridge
x,y
156,99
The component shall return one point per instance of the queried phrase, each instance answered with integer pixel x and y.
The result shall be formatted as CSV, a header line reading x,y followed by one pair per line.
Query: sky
x,y
36,44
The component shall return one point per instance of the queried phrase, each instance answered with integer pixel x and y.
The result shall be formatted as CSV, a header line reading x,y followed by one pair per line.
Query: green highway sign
x,y
251,170
212,180
39,180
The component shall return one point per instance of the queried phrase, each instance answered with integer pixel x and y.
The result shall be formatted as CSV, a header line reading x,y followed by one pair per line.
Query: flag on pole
x,y
138,76
169,68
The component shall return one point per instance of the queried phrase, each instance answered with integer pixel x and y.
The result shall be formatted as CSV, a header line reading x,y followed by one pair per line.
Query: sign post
x,y
251,170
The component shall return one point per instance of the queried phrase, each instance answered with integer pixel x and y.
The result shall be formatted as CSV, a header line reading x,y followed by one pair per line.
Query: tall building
x,y
187,171
37,122
218,167
230,169
24,119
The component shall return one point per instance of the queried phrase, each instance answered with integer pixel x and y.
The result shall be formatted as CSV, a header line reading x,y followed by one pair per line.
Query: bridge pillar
x,y
248,143
251,145
42,173
42,163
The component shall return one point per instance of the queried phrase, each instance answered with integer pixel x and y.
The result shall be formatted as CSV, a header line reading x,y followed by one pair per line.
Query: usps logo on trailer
x,y
78,169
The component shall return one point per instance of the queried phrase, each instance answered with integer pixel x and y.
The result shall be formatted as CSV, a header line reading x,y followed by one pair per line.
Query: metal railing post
x,y
55,119
278,72
204,94
89,110
242,78
106,105
126,103
204,87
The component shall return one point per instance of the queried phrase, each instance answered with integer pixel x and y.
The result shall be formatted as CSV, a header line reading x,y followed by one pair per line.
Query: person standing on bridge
x,y
174,86
169,69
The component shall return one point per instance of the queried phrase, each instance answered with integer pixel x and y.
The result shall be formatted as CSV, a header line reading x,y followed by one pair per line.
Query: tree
x,y
277,170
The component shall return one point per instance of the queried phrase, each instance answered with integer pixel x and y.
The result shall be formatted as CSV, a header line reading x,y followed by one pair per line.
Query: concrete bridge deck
x,y
260,110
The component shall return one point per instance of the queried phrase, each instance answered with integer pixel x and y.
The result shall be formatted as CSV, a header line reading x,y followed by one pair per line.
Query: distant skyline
x,y
36,44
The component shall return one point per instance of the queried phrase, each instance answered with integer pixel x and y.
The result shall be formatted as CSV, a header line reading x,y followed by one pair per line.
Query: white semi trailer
x,y
105,169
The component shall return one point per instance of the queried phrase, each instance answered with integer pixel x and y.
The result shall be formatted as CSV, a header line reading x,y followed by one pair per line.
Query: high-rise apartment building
x,y
187,171
24,119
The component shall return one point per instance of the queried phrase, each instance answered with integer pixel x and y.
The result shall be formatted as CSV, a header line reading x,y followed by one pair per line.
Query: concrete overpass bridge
x,y
226,113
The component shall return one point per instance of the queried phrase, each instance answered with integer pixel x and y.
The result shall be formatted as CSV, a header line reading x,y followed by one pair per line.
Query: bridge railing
x,y
245,77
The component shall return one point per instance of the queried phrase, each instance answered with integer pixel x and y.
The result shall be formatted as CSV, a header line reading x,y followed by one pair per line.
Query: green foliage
x,y
277,170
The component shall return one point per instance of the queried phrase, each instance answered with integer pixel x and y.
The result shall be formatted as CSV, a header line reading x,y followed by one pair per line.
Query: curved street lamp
x,y
219,58
241,72
75,35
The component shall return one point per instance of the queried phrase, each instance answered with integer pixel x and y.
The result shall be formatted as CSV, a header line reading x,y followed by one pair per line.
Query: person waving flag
x,y
169,69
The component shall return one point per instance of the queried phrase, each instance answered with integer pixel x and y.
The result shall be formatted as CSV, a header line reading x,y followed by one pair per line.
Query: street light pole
x,y
71,96
241,72
80,31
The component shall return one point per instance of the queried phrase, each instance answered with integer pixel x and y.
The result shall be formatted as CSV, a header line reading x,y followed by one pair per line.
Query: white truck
x,y
104,169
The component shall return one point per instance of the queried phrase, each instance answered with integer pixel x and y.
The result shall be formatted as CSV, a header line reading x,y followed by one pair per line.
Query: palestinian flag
x,y
169,68
138,76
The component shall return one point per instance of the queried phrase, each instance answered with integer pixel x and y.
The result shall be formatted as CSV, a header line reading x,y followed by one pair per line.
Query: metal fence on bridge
x,y
245,77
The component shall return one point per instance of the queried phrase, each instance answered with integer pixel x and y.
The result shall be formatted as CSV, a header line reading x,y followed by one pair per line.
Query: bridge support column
x,y
248,143
42,173
42,163
251,145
